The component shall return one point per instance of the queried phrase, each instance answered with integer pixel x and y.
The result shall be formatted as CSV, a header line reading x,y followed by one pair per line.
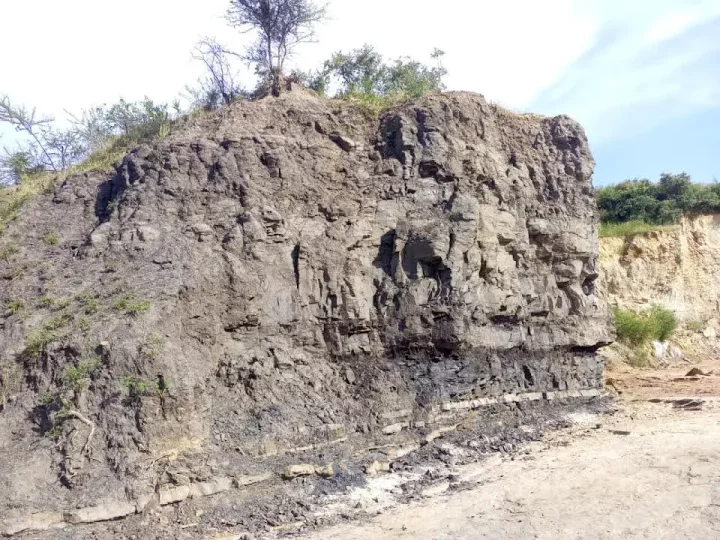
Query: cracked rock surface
x,y
290,275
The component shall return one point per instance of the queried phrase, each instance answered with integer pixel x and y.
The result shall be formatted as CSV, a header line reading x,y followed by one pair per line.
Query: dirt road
x,y
651,471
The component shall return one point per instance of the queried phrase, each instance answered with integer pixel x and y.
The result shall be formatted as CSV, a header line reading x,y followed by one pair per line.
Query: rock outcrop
x,y
677,267
289,276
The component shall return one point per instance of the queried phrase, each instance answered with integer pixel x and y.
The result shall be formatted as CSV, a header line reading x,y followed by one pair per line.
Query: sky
x,y
641,76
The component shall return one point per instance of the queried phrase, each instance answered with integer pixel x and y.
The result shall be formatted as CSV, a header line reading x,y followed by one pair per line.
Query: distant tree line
x,y
658,203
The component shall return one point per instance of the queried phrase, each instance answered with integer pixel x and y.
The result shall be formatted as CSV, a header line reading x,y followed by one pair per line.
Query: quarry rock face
x,y
293,275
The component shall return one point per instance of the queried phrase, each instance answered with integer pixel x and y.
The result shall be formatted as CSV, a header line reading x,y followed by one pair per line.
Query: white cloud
x,y
651,62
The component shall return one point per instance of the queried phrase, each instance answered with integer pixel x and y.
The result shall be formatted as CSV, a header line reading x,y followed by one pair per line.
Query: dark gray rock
x,y
261,280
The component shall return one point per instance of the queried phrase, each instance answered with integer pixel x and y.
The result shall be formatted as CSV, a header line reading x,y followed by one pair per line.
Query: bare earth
x,y
651,471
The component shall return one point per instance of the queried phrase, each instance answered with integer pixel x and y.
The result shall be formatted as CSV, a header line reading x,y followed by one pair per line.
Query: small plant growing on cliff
x,y
8,250
51,239
38,339
15,306
89,302
131,306
75,377
63,304
136,387
152,347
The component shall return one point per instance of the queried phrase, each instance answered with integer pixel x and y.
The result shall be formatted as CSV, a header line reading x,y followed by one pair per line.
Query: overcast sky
x,y
642,76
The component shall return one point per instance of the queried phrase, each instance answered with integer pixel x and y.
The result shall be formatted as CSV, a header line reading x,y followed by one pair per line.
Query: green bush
x,y
657,324
364,78
663,323
631,328
15,306
152,347
656,203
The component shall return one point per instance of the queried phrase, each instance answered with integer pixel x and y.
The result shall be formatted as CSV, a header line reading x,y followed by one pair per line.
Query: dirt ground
x,y
651,470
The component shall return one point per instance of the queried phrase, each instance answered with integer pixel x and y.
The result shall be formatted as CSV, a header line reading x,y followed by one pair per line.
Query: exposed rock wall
x,y
679,268
292,274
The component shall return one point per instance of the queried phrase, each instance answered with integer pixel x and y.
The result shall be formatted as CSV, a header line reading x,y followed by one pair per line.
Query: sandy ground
x,y
650,471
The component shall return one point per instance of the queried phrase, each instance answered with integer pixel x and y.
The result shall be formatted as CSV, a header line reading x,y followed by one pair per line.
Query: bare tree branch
x,y
281,25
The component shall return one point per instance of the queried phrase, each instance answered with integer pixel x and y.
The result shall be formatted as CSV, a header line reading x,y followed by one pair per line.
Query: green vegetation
x,y
132,306
629,228
83,324
90,303
136,387
51,239
47,301
152,347
76,377
15,306
637,206
8,250
100,137
39,338
58,321
362,77
63,304
658,324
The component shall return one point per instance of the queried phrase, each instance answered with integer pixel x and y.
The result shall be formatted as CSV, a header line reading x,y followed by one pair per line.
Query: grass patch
x,y
51,239
14,197
132,306
136,388
39,338
58,321
8,250
15,306
63,303
90,303
697,325
152,347
629,228
657,324
372,106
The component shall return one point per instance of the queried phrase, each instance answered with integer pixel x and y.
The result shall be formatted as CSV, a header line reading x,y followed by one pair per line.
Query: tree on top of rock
x,y
281,25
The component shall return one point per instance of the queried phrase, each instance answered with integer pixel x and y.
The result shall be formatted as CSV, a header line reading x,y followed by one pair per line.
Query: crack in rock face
x,y
295,273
